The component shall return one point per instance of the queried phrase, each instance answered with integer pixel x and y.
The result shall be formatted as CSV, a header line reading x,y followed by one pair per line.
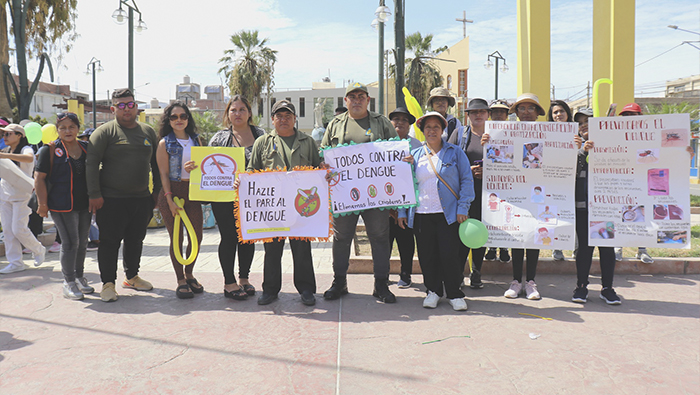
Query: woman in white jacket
x,y
14,212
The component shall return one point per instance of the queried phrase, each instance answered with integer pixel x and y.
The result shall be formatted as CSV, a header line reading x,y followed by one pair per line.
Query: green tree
x,y
249,67
39,27
680,108
207,125
421,73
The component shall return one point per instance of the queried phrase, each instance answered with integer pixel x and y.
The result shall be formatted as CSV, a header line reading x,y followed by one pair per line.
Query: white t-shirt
x,y
7,191
428,196
186,156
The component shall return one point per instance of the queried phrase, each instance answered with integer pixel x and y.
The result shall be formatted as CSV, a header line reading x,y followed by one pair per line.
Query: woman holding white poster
x,y
239,132
177,133
559,111
445,192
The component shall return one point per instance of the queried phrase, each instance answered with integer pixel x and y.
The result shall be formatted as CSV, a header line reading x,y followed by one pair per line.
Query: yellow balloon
x,y
414,108
48,133
182,216
596,86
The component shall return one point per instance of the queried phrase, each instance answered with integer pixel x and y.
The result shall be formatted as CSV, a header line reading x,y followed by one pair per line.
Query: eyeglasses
x,y
122,106
72,116
183,117
529,108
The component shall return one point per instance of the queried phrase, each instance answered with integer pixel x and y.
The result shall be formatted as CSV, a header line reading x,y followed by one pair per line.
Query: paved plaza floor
x,y
152,342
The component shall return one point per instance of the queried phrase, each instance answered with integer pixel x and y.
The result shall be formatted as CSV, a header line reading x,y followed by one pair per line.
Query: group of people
x,y
109,176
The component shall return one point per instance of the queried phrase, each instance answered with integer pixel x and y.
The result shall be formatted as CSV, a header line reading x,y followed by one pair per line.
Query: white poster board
x,y
638,189
528,185
283,204
370,175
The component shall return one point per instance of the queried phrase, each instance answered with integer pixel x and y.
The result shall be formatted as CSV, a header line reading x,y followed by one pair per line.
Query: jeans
x,y
438,253
73,227
377,225
584,256
304,279
122,219
226,221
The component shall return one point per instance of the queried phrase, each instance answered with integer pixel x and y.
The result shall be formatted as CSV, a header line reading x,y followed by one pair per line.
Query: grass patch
x,y
694,200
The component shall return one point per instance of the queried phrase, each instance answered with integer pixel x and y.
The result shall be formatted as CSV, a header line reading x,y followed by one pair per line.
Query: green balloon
x,y
33,132
473,233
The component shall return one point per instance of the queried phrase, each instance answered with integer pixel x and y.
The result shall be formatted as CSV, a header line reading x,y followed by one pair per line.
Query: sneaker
x,y
431,300
531,291
504,256
381,291
580,295
138,284
40,257
71,291
618,254
609,296
458,304
404,282
645,257
92,246
13,268
475,280
514,290
55,247
109,293
337,289
83,286
558,255
490,255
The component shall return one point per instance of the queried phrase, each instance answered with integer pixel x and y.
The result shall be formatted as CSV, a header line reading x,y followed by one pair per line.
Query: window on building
x,y
261,107
302,107
462,89
341,103
371,104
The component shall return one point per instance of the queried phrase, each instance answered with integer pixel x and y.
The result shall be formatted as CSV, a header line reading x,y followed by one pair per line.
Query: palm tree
x,y
249,67
678,108
421,73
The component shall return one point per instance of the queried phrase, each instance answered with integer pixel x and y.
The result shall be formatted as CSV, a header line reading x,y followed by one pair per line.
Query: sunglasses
x,y
69,115
183,117
122,106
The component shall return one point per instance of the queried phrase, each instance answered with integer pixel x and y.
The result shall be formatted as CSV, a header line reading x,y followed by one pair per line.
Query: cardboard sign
x,y
283,204
528,185
212,180
638,192
370,175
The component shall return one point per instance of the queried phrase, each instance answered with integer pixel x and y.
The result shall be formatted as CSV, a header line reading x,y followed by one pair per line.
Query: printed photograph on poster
x,y
537,195
543,237
499,153
532,155
658,182
494,201
672,237
547,214
674,138
602,230
668,211
633,214
648,155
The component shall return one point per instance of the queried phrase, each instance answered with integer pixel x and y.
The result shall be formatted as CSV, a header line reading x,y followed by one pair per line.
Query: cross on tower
x,y
464,21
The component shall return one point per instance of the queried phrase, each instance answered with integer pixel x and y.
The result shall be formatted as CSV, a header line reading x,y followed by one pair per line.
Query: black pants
x,y
477,254
438,253
584,256
304,279
405,241
122,219
226,221
532,257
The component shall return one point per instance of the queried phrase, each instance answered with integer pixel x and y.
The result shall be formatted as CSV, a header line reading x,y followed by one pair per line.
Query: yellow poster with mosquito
x,y
213,178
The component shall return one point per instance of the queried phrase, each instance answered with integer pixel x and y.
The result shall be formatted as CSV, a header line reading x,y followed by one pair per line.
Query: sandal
x,y
249,289
238,294
195,286
182,292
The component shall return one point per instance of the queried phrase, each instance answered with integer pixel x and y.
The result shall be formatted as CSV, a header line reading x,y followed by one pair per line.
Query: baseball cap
x,y
358,86
283,105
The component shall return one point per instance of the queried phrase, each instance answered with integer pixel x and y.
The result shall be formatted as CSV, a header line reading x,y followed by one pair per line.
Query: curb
x,y
364,265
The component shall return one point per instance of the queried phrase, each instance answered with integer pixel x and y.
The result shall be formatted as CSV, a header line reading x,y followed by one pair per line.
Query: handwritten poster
x,y
638,192
528,184
370,175
283,204
212,180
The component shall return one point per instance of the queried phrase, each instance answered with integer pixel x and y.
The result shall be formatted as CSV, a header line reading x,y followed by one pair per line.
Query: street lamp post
x,y
94,62
382,12
119,16
496,55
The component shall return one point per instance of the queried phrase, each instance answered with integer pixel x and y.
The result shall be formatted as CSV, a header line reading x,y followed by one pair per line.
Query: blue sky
x,y
313,37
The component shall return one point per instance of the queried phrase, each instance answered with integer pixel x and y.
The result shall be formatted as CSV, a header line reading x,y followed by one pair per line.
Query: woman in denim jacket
x,y
445,192
177,132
